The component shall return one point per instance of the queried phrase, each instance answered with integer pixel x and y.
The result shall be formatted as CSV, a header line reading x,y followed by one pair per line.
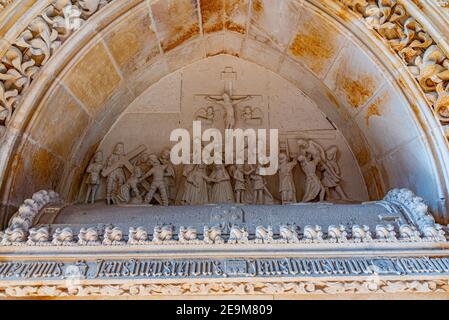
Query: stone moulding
x,y
420,230
295,288
236,276
33,48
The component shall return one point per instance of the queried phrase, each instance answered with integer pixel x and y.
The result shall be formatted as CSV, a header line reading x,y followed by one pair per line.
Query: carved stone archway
x,y
262,46
376,71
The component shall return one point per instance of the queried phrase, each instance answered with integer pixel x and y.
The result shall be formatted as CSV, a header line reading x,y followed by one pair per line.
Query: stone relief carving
x,y
63,236
163,233
230,288
264,235
33,48
38,235
418,212
93,177
238,235
313,234
337,233
126,183
188,235
137,235
113,236
361,233
426,61
88,236
212,235
228,103
385,232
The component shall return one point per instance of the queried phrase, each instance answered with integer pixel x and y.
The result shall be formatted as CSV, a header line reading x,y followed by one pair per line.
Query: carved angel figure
x,y
337,233
206,115
62,236
137,235
264,235
212,235
238,235
251,116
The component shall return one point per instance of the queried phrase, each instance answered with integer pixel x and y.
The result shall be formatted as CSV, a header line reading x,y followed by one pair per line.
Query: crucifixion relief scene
x,y
224,149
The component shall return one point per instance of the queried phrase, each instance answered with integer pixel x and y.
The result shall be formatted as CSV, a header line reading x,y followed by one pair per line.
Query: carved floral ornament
x,y
38,42
230,288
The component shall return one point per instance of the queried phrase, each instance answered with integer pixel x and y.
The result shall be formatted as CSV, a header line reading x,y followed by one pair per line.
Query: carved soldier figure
x,y
287,188
117,177
311,147
222,188
331,174
158,184
170,176
239,183
261,193
93,176
314,187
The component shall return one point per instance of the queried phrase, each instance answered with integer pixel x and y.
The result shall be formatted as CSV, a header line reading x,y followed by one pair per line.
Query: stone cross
x,y
229,75
125,161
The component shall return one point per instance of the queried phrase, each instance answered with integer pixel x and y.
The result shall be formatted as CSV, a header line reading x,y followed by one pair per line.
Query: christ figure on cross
x,y
228,103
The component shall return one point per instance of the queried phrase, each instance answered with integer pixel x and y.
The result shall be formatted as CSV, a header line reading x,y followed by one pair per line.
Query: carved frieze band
x,y
368,275
45,34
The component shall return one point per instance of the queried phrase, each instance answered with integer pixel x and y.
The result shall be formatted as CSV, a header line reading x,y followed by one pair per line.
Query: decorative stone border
x,y
229,288
45,34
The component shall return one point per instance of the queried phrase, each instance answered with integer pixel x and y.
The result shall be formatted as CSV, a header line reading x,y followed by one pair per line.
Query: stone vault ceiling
x,y
403,58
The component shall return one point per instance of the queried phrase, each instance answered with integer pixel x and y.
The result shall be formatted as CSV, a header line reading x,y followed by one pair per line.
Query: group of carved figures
x,y
152,179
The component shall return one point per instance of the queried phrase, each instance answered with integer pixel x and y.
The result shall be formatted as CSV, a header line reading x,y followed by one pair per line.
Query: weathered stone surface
x,y
132,41
93,78
60,111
